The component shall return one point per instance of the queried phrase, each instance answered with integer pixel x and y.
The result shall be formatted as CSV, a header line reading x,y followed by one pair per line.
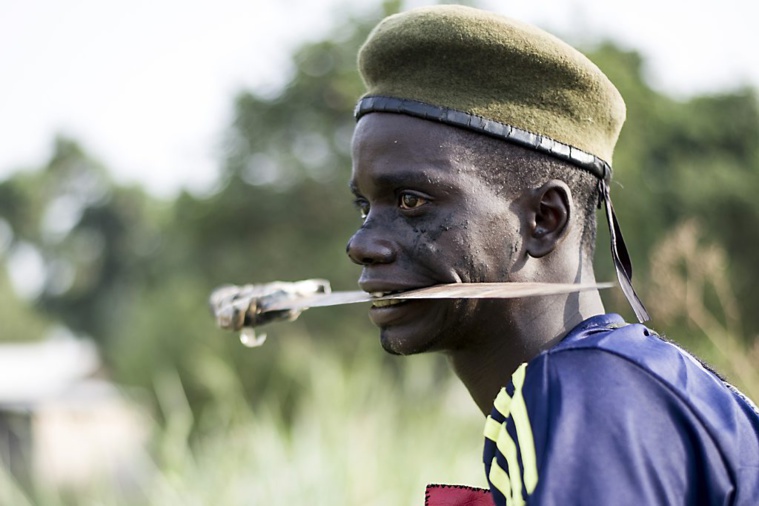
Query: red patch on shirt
x,y
457,495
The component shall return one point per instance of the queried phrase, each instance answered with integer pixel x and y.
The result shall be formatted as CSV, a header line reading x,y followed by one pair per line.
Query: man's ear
x,y
548,217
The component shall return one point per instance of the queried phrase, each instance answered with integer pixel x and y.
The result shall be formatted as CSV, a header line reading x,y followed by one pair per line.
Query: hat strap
x,y
620,255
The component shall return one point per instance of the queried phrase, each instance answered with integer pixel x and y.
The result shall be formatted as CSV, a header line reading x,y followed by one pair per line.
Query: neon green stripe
x,y
518,377
492,428
500,480
508,449
524,431
503,402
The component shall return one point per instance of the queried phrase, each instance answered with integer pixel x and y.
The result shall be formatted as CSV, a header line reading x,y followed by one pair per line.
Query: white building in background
x,y
63,423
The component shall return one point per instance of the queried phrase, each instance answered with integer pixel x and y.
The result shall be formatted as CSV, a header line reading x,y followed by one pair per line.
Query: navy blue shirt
x,y
615,415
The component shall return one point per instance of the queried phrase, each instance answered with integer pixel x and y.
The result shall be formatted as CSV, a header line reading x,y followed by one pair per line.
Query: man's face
x,y
429,218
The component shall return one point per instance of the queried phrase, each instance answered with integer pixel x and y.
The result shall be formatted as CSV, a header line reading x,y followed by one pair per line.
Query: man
x,y
482,149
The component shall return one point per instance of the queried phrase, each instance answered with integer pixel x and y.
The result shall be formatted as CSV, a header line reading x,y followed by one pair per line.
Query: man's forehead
x,y
379,134
388,127
384,140
393,149
385,132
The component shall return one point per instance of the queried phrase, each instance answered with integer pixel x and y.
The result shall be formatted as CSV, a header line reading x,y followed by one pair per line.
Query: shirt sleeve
x,y
590,427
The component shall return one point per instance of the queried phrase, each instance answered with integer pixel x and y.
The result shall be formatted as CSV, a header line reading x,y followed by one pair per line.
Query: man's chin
x,y
397,341
411,328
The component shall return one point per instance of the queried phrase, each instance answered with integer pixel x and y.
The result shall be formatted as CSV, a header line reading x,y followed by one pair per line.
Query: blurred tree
x,y
18,320
83,241
684,159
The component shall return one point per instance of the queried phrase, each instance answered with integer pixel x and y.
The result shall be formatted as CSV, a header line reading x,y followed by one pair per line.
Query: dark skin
x,y
430,218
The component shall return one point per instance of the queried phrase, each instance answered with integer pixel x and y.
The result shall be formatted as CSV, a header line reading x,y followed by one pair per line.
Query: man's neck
x,y
487,365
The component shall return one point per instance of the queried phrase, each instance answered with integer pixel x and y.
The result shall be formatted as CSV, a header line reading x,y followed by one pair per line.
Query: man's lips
x,y
388,302
384,286
396,311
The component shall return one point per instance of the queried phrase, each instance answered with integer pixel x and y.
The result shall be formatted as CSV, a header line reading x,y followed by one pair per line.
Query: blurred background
x,y
152,151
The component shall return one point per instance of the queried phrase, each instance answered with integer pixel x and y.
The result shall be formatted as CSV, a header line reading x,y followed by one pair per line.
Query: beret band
x,y
492,128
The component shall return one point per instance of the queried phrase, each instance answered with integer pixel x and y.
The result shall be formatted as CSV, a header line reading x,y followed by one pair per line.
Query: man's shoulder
x,y
630,370
618,401
610,333
605,355
613,342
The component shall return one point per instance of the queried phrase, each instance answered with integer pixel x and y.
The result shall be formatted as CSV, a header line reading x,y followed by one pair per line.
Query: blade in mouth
x,y
493,290
241,308
381,302
449,291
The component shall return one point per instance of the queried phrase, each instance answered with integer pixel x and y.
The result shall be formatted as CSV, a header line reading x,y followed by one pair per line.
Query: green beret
x,y
492,74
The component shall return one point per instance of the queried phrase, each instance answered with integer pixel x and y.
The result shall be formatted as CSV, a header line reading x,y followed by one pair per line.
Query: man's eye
x,y
363,207
411,201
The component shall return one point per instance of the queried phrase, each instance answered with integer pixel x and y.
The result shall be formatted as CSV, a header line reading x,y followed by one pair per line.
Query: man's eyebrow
x,y
405,178
399,179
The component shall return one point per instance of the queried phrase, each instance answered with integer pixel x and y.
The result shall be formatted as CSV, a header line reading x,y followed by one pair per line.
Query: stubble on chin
x,y
434,335
401,347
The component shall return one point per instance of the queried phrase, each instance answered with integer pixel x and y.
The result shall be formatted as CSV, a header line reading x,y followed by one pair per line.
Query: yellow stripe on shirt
x,y
503,402
492,428
510,483
508,449
524,431
500,480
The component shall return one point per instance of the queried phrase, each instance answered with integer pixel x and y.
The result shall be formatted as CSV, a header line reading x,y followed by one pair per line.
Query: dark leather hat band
x,y
537,142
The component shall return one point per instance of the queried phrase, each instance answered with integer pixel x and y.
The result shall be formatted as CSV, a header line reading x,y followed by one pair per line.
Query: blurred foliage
x,y
94,238
346,443
677,160
134,272
18,321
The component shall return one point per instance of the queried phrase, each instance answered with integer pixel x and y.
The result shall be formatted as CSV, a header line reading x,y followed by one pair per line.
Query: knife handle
x,y
237,307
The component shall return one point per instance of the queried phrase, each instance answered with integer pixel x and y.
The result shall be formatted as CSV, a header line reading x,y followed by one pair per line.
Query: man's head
x,y
441,205
478,153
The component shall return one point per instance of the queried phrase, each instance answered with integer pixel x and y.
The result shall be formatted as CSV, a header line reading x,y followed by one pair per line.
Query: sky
x,y
147,86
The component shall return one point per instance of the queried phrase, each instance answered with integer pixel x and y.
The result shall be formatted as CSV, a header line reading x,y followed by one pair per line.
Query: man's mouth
x,y
391,309
386,302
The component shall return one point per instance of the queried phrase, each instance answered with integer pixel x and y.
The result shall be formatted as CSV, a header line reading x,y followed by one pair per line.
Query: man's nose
x,y
366,247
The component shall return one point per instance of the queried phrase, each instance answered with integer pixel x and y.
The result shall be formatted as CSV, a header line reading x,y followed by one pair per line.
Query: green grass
x,y
364,433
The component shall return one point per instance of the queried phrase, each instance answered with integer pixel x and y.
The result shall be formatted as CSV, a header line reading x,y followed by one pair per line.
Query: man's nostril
x,y
366,249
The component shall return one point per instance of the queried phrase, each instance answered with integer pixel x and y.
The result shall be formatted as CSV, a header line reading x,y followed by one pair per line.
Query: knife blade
x,y
446,291
243,308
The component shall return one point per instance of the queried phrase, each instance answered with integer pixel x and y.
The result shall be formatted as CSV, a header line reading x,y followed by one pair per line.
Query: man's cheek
x,y
426,245
452,250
